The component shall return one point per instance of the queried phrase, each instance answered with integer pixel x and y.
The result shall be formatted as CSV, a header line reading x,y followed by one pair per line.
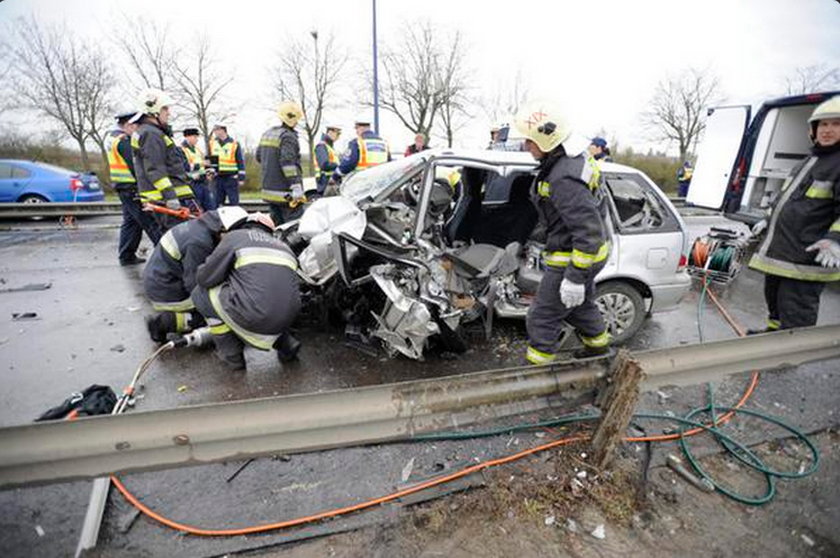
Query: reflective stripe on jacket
x,y
807,210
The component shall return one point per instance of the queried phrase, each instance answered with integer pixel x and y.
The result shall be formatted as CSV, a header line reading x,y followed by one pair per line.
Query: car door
x,y
8,188
648,231
722,141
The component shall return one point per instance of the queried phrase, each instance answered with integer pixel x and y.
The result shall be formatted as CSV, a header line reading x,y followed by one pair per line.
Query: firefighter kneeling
x,y
248,292
570,205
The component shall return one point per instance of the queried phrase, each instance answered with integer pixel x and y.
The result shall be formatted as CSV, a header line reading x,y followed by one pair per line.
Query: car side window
x,y
636,207
20,172
5,170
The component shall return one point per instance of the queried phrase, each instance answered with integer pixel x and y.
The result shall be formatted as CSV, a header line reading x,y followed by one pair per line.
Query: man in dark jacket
x,y
158,162
279,157
801,252
569,201
169,277
364,151
121,170
326,159
248,292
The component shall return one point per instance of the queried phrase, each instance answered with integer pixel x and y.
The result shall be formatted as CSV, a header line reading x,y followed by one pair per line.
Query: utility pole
x,y
375,76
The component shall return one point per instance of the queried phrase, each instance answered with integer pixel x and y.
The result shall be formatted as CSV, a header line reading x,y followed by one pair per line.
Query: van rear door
x,y
725,132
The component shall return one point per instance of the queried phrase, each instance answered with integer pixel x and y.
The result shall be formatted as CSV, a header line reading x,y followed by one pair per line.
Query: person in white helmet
x,y
158,161
801,252
279,157
569,201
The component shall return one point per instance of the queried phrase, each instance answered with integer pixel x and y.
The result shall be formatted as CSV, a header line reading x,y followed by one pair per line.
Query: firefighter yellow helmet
x,y
151,101
290,113
544,124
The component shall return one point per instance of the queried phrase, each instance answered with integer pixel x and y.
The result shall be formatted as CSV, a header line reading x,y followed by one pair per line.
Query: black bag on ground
x,y
95,400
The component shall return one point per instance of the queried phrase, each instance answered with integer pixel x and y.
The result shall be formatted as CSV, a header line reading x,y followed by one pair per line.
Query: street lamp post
x,y
375,76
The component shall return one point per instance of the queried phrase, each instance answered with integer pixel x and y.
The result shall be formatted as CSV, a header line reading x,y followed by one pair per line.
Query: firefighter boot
x,y
287,347
592,352
229,350
160,325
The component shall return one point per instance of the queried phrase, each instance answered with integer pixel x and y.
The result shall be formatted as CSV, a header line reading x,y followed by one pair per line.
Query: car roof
x,y
492,157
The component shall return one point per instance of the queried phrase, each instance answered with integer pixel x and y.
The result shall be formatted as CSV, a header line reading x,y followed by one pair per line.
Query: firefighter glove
x,y
297,192
759,227
829,252
572,294
173,204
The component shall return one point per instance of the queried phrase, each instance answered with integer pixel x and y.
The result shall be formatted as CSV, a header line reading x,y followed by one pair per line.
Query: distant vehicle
x,y
742,164
34,182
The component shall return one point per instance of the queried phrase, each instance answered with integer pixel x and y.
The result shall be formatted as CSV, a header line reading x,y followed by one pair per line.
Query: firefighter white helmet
x,y
231,216
151,101
263,219
544,124
826,109
290,113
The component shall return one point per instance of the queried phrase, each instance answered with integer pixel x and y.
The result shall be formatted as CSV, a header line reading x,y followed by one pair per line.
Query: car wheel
x,y
622,307
32,198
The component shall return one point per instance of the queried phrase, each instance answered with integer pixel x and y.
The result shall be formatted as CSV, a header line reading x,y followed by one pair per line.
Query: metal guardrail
x,y
84,209
96,446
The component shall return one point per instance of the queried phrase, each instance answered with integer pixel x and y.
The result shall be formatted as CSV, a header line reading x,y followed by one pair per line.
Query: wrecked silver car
x,y
414,253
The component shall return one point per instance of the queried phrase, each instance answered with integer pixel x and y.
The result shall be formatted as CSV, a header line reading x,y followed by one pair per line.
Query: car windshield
x,y
376,182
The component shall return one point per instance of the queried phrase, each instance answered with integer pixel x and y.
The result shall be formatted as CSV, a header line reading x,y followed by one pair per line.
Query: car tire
x,y
623,309
32,198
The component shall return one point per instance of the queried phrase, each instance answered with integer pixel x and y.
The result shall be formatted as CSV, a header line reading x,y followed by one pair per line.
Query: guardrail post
x,y
617,406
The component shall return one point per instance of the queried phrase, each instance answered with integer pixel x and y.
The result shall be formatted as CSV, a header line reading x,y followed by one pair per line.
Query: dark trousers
x,y
227,190
203,195
682,189
135,221
283,213
547,314
791,302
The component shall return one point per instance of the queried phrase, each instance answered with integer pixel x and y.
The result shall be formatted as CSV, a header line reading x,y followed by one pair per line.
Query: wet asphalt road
x,y
89,329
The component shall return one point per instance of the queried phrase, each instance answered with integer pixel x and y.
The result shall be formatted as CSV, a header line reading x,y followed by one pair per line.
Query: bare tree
x,y
505,99
810,79
200,86
310,74
54,73
99,108
678,108
149,52
455,97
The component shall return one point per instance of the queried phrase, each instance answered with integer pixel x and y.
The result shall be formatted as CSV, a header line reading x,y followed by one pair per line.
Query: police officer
x,y
121,169
248,292
569,202
598,149
801,252
230,174
364,151
684,174
169,277
326,159
158,162
196,170
279,157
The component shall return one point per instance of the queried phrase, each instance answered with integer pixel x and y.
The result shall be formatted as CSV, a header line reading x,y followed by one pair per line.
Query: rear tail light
x,y
76,184
683,262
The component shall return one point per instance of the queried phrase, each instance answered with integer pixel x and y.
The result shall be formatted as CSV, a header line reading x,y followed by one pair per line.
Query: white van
x,y
741,164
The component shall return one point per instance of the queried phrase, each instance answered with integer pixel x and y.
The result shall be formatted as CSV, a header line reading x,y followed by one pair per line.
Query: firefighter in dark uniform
x,y
196,171
326,159
169,277
158,162
121,169
364,151
801,252
570,204
279,157
248,292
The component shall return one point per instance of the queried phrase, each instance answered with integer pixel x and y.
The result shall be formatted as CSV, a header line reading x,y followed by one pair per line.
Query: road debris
x,y
182,389
599,532
27,287
40,531
406,471
24,316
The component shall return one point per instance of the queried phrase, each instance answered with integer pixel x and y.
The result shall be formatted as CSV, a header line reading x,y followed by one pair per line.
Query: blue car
x,y
33,182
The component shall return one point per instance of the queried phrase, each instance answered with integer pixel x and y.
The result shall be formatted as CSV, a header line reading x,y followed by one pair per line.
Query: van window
x,y
636,208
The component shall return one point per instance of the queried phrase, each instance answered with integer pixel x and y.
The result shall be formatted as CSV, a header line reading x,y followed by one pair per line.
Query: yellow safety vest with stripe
x,y
372,152
117,166
227,156
195,159
331,157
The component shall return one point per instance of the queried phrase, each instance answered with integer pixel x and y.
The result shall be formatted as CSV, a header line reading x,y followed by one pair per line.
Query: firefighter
x,y
158,163
169,277
569,201
365,150
326,159
121,168
279,157
196,170
230,174
801,251
248,292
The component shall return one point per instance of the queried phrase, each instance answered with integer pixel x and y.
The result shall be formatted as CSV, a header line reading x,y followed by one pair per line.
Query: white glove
x,y
572,294
174,204
297,192
829,252
759,227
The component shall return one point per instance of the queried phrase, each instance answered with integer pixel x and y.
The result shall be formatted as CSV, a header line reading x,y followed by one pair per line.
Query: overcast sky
x,y
601,59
